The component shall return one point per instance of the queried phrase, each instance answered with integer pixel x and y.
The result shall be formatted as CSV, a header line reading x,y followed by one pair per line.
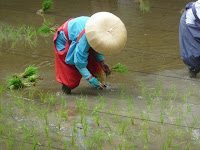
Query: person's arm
x,y
100,58
80,60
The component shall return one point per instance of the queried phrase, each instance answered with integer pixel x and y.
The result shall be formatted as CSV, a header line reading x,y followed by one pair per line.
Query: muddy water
x,y
151,54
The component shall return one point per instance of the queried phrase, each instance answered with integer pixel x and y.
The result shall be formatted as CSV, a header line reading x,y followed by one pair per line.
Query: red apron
x,y
69,74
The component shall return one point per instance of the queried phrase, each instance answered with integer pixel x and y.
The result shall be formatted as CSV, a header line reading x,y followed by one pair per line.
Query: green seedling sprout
x,y
144,5
30,71
97,119
82,116
31,79
1,89
85,128
35,142
63,113
66,145
192,90
46,130
26,132
50,142
123,127
43,96
119,68
74,127
52,100
108,125
47,4
110,138
14,83
185,98
97,108
31,93
72,139
161,118
44,29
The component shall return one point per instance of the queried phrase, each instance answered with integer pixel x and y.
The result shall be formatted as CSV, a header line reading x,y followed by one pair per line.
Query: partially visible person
x,y
189,37
80,45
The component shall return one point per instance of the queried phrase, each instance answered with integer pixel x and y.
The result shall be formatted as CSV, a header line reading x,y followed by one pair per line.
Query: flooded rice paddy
x,y
154,106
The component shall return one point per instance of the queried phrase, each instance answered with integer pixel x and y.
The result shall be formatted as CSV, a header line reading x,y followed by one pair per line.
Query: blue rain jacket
x,y
189,38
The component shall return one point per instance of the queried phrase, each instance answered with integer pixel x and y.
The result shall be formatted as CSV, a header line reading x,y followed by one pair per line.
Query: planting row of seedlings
x,y
96,127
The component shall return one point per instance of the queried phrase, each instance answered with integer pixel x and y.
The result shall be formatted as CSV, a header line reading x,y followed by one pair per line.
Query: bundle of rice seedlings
x,y
15,83
31,70
119,68
47,4
31,79
44,29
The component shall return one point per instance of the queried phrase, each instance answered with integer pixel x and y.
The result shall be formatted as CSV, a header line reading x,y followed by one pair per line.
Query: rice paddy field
x,y
154,105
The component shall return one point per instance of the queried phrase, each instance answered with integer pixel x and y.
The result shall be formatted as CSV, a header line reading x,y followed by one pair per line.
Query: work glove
x,y
94,82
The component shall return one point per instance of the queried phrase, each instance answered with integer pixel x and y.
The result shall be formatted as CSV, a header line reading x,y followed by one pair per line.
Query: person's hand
x,y
94,82
105,68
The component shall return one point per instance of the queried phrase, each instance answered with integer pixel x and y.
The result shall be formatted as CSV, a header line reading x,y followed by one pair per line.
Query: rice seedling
x,y
192,90
132,120
145,132
73,142
63,102
119,68
144,5
63,113
82,116
185,98
66,145
108,125
43,96
102,99
50,142
122,92
117,118
43,113
85,128
31,79
110,138
97,119
31,93
97,108
120,146
1,89
47,4
161,118
144,89
123,127
2,128
149,99
98,138
82,103
10,143
15,83
21,103
44,29
30,71
178,119
46,130
52,100
74,127
35,142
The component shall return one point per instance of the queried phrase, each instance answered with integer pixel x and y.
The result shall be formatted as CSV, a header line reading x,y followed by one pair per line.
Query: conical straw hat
x,y
106,33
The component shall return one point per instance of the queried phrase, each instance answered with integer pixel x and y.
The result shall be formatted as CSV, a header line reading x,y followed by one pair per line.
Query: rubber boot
x,y
192,74
66,89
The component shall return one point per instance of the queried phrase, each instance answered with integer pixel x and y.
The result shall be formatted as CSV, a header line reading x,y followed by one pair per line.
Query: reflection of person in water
x,y
189,37
80,44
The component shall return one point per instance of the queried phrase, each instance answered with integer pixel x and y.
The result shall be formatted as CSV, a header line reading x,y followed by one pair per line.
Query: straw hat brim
x,y
106,33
